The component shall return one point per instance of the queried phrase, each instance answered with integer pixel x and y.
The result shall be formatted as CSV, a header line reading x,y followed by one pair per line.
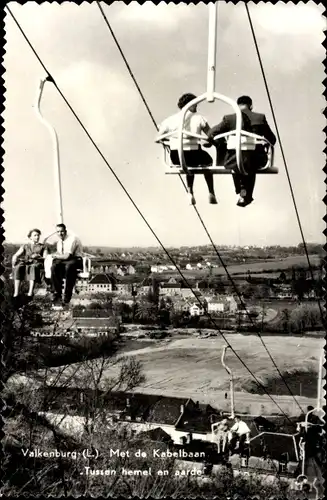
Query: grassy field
x,y
191,367
171,364
254,267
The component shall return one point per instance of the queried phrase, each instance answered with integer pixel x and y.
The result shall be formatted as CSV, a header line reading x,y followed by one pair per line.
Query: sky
x,y
166,47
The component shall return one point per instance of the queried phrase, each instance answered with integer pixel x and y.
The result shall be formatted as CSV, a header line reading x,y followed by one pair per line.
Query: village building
x,y
100,283
95,322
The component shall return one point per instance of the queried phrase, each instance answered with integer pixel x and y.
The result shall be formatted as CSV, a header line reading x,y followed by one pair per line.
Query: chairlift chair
x,y
238,139
85,270
248,142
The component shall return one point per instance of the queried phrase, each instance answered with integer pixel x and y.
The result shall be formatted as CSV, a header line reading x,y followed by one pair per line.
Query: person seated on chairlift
x,y
194,155
252,160
28,264
65,264
240,434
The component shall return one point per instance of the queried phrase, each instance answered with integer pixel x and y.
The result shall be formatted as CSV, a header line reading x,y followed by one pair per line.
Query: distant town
x,y
266,286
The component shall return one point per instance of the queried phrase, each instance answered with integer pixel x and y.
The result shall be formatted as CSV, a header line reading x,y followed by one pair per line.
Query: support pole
x,y
231,381
319,384
56,163
212,49
319,389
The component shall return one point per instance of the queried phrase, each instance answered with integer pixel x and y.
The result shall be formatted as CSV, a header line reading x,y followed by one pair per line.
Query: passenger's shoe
x,y
241,202
212,199
192,199
244,202
66,302
56,303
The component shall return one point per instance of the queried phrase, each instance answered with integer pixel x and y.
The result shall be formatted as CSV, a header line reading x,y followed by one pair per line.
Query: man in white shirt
x,y
240,433
66,262
194,155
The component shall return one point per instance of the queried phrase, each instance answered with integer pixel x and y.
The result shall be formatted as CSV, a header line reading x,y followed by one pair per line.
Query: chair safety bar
x,y
249,142
86,271
220,169
238,113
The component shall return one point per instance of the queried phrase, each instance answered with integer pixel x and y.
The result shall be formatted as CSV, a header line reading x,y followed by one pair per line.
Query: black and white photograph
x,y
163,254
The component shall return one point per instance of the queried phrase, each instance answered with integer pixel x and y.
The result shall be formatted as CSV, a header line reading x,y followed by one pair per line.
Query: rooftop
x,y
92,313
96,322
102,278
198,420
167,410
156,434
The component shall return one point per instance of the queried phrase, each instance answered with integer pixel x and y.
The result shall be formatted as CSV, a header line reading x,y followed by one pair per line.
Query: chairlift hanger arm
x,y
54,136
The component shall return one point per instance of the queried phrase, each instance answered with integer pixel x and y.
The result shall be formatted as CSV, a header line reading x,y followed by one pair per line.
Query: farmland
x,y
259,267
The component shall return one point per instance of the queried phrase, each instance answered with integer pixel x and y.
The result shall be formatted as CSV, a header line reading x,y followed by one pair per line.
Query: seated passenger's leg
x,y
190,183
31,285
57,274
221,149
33,274
242,443
237,183
250,187
209,180
203,159
16,287
233,442
70,275
19,272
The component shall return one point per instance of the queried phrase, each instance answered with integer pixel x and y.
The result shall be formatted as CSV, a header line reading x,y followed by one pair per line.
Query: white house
x,y
181,305
216,306
195,310
120,272
170,289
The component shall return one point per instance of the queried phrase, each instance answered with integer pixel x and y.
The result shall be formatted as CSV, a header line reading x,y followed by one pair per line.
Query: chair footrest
x,y
173,169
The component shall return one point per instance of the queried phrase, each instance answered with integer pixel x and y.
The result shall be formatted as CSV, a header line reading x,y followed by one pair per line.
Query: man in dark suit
x,y
252,160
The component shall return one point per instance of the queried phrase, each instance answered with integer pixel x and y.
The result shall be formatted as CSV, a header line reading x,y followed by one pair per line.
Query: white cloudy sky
x,y
166,46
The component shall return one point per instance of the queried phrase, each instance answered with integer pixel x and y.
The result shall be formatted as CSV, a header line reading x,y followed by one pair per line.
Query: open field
x,y
191,367
195,363
254,267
